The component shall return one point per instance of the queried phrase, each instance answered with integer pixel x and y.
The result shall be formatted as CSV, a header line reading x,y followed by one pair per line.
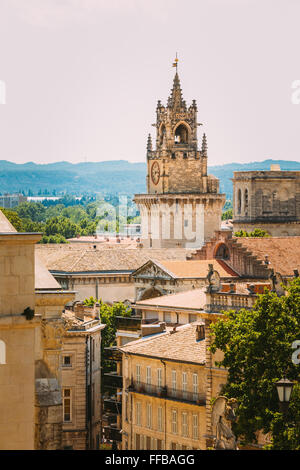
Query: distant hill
x,y
118,176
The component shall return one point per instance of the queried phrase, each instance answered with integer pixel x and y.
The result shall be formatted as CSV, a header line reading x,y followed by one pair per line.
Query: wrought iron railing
x,y
168,392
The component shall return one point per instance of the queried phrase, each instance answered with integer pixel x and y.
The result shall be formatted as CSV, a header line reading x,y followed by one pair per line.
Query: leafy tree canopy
x,y
256,233
257,353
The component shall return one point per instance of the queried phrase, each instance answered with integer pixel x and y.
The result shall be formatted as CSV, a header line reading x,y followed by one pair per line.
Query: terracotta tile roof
x,y
283,252
196,268
192,299
179,346
75,258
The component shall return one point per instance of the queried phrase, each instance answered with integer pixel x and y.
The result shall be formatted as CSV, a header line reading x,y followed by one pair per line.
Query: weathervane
x,y
175,63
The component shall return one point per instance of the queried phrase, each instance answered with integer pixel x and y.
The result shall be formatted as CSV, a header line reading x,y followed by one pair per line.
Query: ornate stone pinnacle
x,y
204,145
149,143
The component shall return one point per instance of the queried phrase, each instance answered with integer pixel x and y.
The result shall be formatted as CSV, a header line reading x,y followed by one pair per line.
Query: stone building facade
x,y
81,380
183,205
269,200
34,339
164,391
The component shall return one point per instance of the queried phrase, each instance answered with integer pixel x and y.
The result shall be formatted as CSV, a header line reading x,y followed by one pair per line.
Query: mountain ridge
x,y
116,176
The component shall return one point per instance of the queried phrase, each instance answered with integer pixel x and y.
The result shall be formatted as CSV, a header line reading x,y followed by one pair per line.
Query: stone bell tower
x,y
183,206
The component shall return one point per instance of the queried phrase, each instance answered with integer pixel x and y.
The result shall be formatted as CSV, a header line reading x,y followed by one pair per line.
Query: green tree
x,y
34,211
257,352
227,214
91,301
256,233
62,226
53,239
108,315
13,218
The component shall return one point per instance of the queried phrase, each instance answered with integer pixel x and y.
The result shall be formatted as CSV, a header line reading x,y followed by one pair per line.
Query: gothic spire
x,y
175,101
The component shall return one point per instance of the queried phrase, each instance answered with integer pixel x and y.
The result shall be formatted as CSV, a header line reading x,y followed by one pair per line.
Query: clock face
x,y
155,173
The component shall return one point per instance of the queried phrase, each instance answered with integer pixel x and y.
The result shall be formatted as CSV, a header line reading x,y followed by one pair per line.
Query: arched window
x,y
246,201
181,134
2,352
222,252
239,201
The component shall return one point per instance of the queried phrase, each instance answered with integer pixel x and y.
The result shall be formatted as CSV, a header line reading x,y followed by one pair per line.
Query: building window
x,y
195,387
67,404
148,378
93,349
149,416
192,317
184,424
138,414
67,361
138,374
195,427
184,385
174,422
2,352
160,419
174,383
93,399
138,445
181,134
159,378
148,442
159,444
167,317
239,201
246,202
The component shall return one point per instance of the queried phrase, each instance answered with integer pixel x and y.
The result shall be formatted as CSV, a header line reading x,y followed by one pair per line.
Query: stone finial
x,y
204,145
149,143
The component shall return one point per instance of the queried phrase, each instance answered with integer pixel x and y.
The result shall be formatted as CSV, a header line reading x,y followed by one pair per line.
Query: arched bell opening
x,y
181,135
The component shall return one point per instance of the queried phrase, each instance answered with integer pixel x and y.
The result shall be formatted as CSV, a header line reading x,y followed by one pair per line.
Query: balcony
x,y
112,433
113,354
129,323
168,393
113,380
111,405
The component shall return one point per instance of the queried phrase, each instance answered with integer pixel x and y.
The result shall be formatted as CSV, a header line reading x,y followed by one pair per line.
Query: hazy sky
x,y
83,76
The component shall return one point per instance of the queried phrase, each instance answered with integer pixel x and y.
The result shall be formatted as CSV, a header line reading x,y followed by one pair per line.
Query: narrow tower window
x,y
246,201
239,202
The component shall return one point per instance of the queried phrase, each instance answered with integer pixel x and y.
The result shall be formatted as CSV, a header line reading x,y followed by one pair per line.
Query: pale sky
x,y
83,76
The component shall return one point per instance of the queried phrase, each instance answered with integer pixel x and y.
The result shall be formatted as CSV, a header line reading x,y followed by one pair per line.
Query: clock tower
x,y
183,205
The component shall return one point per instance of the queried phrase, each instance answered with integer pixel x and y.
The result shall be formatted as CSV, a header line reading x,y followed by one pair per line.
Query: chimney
x,y
200,332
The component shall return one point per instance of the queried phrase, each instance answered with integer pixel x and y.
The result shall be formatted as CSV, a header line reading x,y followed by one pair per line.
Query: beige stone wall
x,y
17,392
17,273
289,229
267,199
